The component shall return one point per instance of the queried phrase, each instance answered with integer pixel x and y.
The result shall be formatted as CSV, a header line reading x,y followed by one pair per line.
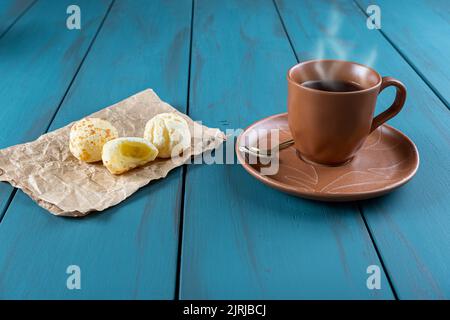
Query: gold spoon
x,y
268,153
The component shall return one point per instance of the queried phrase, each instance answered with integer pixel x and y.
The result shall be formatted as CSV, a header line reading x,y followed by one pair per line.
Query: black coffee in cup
x,y
332,85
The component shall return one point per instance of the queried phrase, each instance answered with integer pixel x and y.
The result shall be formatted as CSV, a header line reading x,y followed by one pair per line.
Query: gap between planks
x,y
183,179
17,19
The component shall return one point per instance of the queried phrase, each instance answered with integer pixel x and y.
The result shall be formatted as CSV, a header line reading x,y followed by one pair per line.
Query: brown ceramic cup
x,y
330,127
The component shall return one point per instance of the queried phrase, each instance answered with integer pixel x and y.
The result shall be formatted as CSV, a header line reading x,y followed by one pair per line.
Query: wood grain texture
x,y
10,11
39,57
410,226
420,30
129,251
242,239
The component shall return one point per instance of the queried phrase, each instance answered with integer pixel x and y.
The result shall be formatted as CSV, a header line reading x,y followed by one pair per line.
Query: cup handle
x,y
395,108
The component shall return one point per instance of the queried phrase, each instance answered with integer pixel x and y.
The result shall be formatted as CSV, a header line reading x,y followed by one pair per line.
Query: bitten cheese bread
x,y
123,154
88,136
168,132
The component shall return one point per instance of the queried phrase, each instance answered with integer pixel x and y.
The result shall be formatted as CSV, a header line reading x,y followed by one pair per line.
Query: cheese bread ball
x,y
169,132
88,136
123,154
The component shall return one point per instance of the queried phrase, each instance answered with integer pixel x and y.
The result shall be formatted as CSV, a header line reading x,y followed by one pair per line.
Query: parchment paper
x,y
47,171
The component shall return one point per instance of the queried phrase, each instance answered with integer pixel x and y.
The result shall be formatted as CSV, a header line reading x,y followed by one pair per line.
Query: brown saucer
x,y
387,160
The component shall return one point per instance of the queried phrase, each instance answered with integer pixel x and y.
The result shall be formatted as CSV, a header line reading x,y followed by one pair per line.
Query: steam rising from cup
x,y
338,48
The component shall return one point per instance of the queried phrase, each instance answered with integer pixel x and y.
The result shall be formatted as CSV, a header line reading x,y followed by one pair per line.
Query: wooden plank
x,y
242,239
39,57
420,30
129,251
410,226
10,11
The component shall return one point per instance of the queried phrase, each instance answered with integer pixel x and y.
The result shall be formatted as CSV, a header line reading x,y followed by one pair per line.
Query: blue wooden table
x,y
212,231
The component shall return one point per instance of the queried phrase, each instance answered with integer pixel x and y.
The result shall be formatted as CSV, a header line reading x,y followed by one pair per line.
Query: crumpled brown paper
x,y
47,171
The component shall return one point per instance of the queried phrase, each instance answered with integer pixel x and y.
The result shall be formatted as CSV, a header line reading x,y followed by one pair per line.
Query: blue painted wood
x,y
242,239
10,11
39,58
420,30
129,251
410,226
